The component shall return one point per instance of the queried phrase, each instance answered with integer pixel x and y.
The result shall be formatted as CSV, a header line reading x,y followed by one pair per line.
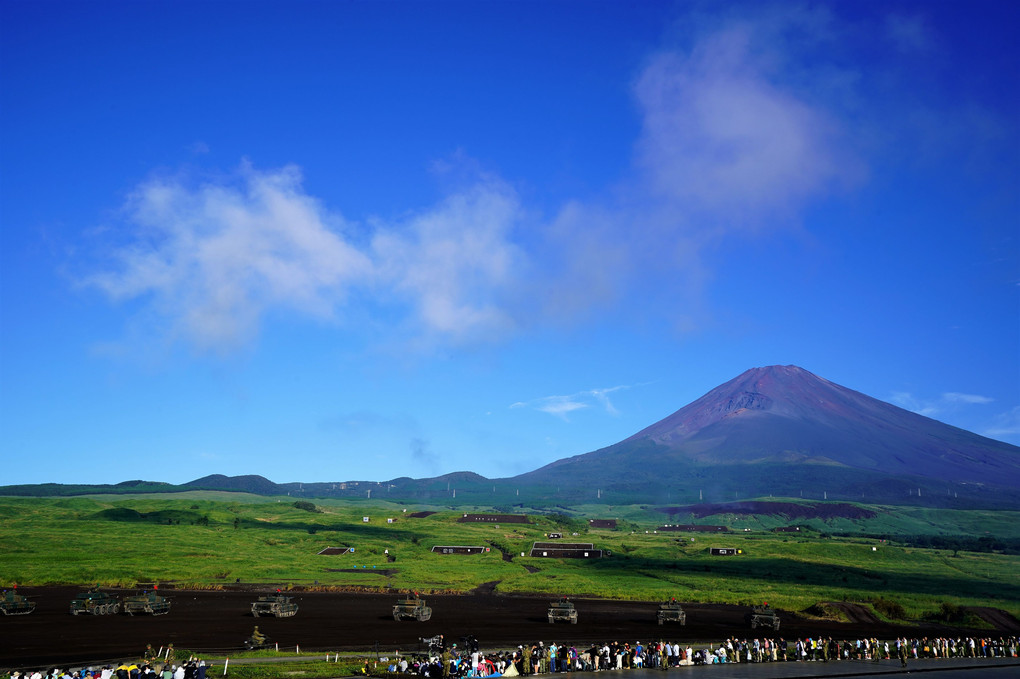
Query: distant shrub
x,y
889,609
307,506
949,612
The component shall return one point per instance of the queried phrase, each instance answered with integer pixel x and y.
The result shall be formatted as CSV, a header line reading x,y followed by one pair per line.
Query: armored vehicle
x,y
278,605
562,610
407,609
672,611
148,602
13,603
763,616
95,602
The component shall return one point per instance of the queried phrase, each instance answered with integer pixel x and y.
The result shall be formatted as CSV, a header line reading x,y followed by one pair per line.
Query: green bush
x,y
889,609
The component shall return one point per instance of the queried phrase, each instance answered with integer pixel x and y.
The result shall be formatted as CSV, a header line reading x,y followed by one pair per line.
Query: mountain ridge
x,y
773,430
788,415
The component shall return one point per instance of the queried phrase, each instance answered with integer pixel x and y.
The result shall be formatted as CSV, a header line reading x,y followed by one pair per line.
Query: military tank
x,y
763,616
671,611
276,605
562,611
13,603
94,602
146,603
411,609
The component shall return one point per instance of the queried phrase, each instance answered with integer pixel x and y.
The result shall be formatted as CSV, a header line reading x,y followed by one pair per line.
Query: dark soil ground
x,y
219,621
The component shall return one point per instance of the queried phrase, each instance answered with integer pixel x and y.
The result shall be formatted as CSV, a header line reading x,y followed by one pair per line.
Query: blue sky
x,y
325,241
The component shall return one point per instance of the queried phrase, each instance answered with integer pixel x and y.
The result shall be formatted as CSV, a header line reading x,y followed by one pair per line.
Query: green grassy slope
x,y
199,539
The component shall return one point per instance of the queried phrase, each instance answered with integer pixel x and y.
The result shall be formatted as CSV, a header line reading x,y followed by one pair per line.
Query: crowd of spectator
x,y
538,658
194,668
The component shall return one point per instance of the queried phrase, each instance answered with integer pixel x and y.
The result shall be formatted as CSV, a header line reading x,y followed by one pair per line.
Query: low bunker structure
x,y
602,523
457,549
565,550
494,518
333,551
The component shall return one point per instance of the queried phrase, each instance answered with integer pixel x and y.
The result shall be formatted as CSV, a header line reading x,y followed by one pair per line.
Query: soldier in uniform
x,y
258,637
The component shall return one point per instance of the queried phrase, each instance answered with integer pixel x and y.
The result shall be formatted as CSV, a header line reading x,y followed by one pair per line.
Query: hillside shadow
x,y
189,517
782,572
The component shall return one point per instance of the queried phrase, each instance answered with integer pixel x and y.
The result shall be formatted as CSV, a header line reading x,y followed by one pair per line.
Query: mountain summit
x,y
780,427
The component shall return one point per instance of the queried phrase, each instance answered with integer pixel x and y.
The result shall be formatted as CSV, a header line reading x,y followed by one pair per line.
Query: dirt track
x,y
220,621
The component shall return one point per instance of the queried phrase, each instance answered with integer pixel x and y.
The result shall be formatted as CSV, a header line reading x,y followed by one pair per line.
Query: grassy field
x,y
210,540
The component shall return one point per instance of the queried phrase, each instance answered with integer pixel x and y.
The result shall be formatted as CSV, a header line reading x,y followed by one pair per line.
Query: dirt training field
x,y
219,621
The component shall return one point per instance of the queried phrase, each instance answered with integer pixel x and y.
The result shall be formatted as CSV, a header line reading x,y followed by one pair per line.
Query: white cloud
x,y
561,406
213,259
457,262
1005,425
907,401
947,402
955,397
723,135
726,142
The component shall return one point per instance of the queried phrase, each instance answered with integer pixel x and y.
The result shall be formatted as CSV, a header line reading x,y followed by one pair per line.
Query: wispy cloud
x,y
909,33
422,455
947,402
456,262
562,406
724,134
1005,425
956,397
730,142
